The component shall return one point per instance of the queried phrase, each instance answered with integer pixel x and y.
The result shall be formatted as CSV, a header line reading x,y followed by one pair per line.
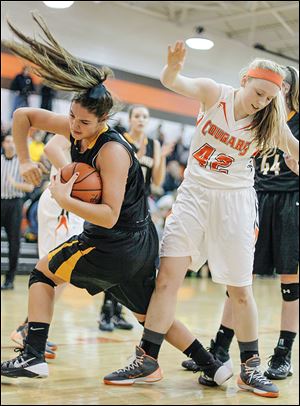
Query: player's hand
x,y
32,172
61,191
176,56
167,149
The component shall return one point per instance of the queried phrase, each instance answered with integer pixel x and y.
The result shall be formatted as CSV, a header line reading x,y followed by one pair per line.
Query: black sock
x,y
224,337
151,342
198,353
286,339
37,335
248,350
150,349
245,355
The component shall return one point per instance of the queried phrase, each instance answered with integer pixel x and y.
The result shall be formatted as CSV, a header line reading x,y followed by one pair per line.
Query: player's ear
x,y
244,81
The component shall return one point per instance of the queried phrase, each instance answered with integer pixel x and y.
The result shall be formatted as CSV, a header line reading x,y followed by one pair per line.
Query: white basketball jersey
x,y
222,148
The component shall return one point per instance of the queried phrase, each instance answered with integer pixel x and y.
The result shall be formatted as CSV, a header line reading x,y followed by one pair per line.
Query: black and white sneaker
x,y
29,364
219,353
279,366
107,311
119,320
215,372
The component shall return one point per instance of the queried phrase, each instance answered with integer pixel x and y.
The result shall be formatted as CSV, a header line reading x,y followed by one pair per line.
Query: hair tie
x,y
97,92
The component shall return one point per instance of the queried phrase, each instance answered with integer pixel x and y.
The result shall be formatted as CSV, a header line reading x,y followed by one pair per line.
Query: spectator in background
x,y
36,146
180,152
36,151
160,135
12,192
23,85
47,96
173,177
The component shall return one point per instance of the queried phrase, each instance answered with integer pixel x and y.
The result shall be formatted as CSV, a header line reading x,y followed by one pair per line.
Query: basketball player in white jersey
x,y
214,217
277,247
55,226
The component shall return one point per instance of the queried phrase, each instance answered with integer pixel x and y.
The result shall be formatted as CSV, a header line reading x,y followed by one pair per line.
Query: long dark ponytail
x,y
61,70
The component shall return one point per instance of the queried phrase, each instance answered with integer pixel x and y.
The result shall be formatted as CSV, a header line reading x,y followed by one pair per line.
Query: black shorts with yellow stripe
x,y
121,262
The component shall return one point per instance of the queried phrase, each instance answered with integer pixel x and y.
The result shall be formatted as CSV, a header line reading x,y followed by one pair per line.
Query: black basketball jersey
x,y
272,174
134,212
146,161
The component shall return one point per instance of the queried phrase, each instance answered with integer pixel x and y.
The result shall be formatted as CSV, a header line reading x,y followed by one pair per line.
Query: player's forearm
x,y
24,187
57,158
20,128
170,78
289,144
99,214
159,172
55,151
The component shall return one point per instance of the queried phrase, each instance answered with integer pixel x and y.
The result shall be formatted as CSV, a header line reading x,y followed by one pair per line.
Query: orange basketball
x,y
88,185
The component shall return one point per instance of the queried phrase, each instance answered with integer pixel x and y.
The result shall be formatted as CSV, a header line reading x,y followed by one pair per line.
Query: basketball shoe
x,y
219,353
29,364
107,311
119,320
252,379
279,366
142,369
19,335
214,372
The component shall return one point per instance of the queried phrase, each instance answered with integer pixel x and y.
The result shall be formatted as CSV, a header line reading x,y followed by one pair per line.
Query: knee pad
x,y
38,276
290,291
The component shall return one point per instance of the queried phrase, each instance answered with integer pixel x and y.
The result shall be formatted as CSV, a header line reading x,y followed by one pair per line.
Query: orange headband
x,y
266,74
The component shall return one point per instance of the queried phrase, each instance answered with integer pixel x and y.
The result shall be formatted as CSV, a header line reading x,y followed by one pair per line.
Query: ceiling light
x,y
58,4
199,43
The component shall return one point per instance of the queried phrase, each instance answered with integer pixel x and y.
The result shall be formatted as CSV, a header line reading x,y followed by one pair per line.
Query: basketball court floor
x,y
85,354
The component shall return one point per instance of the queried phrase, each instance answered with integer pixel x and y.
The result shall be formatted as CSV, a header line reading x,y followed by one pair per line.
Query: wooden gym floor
x,y
86,354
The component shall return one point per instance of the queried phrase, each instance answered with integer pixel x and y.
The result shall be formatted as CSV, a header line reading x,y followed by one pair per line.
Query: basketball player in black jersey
x,y
152,158
277,247
118,248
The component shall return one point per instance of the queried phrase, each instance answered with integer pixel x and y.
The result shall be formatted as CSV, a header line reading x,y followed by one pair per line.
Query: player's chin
x,y
253,110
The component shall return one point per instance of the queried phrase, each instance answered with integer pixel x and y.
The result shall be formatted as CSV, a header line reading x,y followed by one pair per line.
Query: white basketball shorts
x,y
218,226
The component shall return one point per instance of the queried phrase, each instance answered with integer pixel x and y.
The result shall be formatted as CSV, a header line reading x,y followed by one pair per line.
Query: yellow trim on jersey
x,y
65,270
291,115
61,247
128,137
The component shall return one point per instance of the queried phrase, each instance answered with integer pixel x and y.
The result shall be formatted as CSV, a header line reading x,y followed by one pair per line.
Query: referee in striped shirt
x,y
12,193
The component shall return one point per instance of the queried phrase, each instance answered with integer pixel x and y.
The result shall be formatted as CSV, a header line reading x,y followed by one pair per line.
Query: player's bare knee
x,y
240,295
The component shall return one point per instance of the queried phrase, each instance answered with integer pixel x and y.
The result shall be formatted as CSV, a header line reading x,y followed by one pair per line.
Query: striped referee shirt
x,y
10,167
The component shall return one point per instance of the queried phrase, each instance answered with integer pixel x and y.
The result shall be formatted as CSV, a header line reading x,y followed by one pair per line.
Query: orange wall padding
x,y
127,92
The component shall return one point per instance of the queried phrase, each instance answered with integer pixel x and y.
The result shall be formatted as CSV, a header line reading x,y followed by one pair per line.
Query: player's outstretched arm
x,y
205,90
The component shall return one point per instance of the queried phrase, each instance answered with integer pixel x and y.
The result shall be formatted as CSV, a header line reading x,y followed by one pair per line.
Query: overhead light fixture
x,y
58,4
198,42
